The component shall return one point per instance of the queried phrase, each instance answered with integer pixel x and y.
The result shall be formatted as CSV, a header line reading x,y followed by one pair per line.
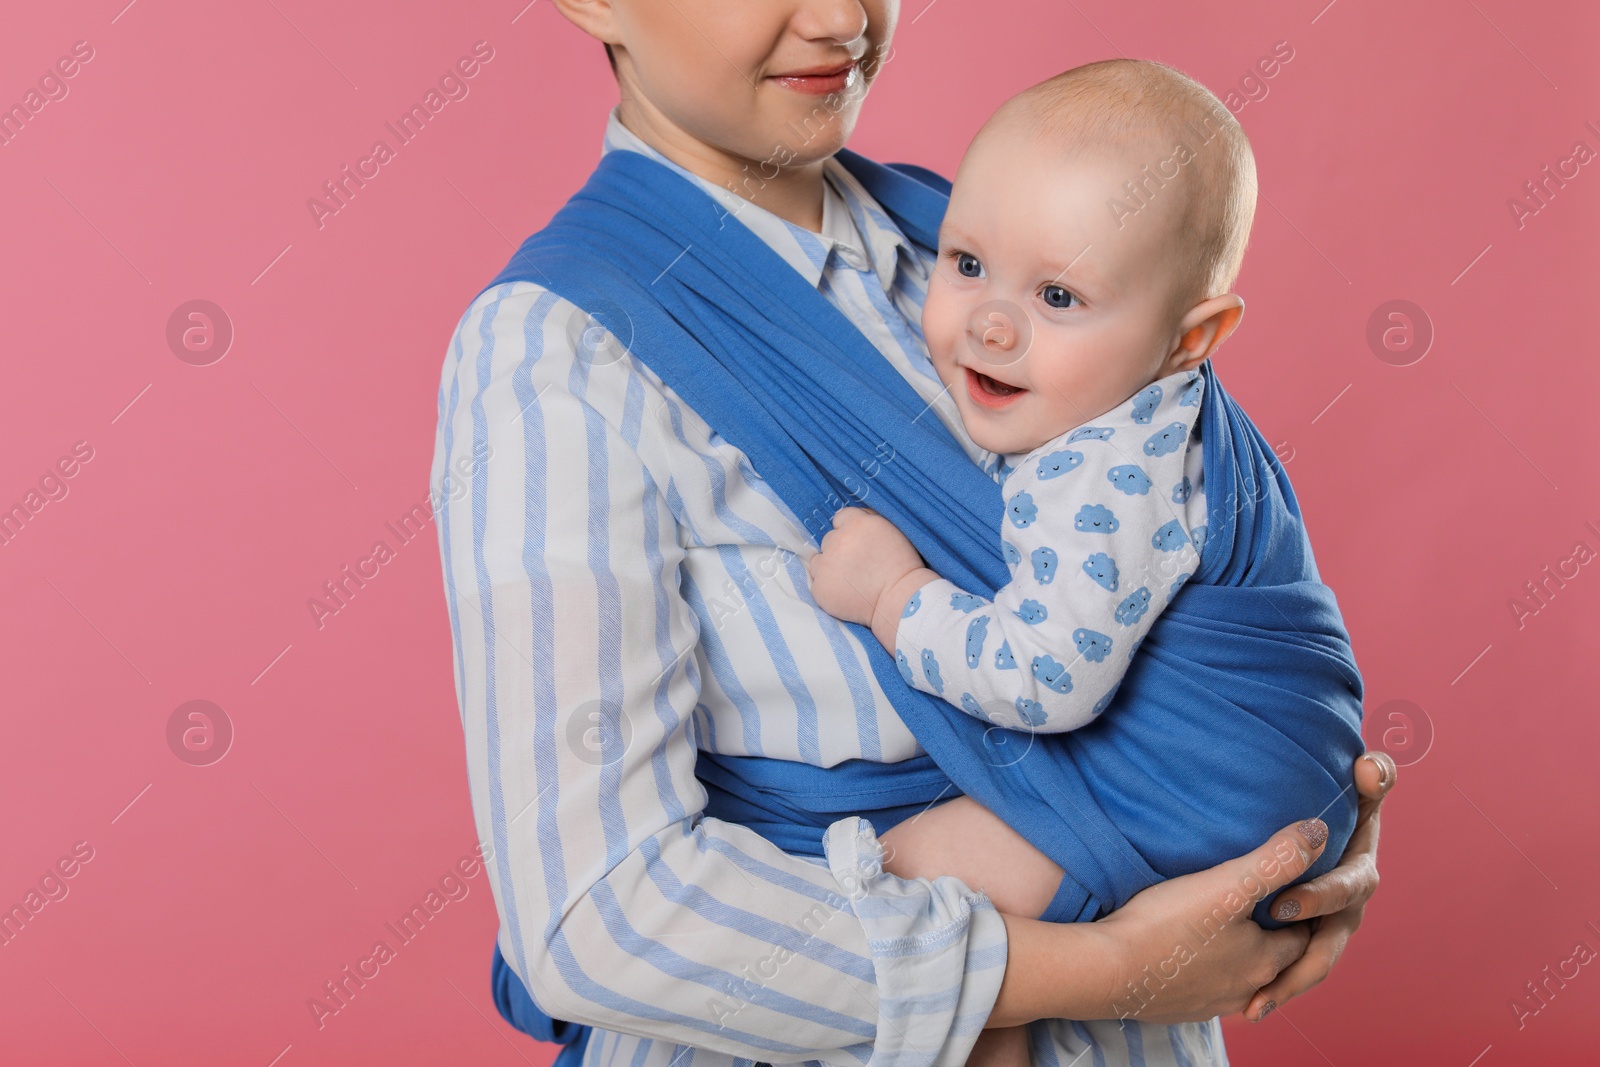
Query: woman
x,y
627,593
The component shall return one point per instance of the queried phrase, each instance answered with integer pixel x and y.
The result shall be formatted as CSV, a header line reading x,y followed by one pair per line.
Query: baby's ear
x,y
1203,329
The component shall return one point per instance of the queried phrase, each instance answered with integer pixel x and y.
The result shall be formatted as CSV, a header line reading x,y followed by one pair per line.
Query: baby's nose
x,y
999,332
995,329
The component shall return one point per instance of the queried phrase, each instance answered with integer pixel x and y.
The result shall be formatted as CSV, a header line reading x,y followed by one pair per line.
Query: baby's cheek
x,y
1074,392
940,327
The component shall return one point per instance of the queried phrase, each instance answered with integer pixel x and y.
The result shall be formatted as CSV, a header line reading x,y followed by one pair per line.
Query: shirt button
x,y
850,257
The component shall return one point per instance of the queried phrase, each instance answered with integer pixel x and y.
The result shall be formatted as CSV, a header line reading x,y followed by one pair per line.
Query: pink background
x,y
219,898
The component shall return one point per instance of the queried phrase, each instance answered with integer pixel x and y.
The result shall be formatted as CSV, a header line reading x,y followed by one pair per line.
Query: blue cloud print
x,y
930,670
1096,518
1030,711
1031,612
1058,463
1170,537
1129,478
1166,440
1044,564
1103,569
1133,606
1021,510
1145,404
1052,674
1092,645
977,632
965,602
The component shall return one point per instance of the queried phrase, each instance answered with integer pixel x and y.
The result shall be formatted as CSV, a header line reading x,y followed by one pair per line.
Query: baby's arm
x,y
1098,545
1102,527
1048,652
866,572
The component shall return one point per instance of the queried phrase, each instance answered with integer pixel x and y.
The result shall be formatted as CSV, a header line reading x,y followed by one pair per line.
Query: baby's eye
x,y
1058,297
967,265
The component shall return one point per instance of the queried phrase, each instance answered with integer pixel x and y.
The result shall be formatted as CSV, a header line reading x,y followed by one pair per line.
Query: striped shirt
x,y
624,591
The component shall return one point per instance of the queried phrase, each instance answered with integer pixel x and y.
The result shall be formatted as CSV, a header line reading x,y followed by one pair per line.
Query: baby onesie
x,y
1102,527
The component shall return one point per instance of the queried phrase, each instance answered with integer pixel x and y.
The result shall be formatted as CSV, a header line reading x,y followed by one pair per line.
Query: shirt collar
x,y
848,213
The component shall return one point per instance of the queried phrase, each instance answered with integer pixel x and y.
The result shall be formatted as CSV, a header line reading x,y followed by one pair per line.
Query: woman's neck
x,y
794,194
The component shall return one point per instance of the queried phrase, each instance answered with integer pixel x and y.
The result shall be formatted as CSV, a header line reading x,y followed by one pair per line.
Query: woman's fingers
x,y
1289,950
1284,857
1321,953
1353,882
1335,902
1222,957
1348,885
1375,775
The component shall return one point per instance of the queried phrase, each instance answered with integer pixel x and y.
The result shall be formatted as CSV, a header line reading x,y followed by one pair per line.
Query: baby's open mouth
x,y
988,391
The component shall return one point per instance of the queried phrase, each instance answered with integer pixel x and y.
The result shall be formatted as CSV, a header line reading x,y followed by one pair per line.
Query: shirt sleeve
x,y
621,905
1100,532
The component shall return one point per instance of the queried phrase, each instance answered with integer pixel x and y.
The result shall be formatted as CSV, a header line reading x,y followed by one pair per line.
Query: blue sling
x,y
1241,713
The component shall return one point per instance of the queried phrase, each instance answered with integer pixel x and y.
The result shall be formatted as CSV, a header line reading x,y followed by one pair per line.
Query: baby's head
x,y
1097,223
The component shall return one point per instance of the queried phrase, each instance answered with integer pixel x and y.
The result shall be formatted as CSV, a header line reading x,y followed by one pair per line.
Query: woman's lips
x,y
989,392
817,83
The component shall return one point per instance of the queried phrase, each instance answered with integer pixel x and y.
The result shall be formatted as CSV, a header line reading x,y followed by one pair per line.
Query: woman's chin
x,y
811,128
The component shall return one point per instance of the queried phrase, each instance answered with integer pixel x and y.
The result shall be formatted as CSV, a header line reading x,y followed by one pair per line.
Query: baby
x,y
1095,227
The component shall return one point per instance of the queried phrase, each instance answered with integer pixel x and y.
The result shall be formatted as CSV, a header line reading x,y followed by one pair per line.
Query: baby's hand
x,y
861,559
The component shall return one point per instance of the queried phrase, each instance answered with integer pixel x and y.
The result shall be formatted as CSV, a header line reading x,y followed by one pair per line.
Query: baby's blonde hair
x,y
1123,102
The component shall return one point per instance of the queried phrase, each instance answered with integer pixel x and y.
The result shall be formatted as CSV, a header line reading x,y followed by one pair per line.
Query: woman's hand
x,y
1183,950
1333,903
1186,949
1190,948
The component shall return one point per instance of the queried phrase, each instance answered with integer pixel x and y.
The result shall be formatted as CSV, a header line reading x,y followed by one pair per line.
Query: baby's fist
x,y
862,557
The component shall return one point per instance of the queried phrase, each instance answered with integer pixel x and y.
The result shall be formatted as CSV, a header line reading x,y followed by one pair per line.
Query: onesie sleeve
x,y
1102,527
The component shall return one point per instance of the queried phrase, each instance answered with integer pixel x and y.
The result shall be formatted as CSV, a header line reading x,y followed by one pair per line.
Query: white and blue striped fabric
x,y
625,591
